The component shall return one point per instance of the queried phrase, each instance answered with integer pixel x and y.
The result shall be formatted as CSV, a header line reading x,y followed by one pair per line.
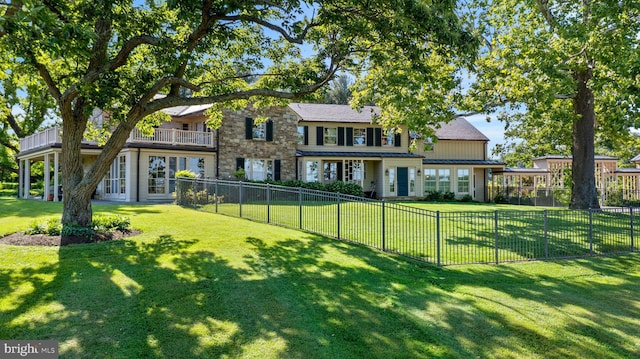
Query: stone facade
x,y
233,143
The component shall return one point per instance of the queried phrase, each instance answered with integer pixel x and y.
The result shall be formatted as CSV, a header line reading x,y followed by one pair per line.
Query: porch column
x,y
47,177
20,178
56,163
27,178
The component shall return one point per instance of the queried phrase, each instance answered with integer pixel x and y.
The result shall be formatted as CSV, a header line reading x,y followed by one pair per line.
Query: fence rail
x,y
441,238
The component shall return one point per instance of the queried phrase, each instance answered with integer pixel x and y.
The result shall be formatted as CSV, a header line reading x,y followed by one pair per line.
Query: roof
x,y
523,170
462,162
180,111
314,112
357,154
459,129
628,170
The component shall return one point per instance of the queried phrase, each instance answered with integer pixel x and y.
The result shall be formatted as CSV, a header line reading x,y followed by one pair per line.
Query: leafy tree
x,y
338,91
566,64
120,55
24,106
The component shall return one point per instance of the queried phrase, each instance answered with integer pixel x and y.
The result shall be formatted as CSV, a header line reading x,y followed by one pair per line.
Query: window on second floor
x,y
359,136
258,131
388,138
330,136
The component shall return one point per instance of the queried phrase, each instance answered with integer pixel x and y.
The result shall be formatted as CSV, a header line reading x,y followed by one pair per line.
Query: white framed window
x,y
463,180
157,174
330,136
259,131
115,179
412,181
354,171
312,171
430,180
388,138
359,136
444,180
392,180
330,171
300,135
258,169
428,144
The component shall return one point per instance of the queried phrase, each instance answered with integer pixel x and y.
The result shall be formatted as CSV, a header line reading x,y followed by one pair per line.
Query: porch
x,y
165,136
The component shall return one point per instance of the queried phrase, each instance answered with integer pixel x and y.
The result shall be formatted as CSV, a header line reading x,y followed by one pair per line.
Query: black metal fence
x,y
441,238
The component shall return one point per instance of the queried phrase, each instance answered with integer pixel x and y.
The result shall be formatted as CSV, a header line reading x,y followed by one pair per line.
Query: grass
x,y
200,285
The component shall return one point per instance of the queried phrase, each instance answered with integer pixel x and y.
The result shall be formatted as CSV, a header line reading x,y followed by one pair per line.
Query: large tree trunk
x,y
584,194
76,207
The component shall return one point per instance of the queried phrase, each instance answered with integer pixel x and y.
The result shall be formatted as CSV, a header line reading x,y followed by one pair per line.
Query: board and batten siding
x,y
454,150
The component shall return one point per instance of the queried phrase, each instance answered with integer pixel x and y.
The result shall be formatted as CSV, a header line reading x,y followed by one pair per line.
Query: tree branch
x,y
543,6
296,40
11,120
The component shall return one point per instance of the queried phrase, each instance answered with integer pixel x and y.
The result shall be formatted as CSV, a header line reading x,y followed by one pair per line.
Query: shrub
x,y
52,227
111,223
432,196
500,198
466,198
449,196
77,231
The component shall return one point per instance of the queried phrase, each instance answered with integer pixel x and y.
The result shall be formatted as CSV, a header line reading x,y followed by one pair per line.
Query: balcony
x,y
167,136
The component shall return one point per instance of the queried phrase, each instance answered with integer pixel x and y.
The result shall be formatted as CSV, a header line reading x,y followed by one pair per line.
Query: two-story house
x,y
309,142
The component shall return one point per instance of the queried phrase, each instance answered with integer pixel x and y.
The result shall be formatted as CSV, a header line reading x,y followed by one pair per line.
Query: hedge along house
x,y
308,142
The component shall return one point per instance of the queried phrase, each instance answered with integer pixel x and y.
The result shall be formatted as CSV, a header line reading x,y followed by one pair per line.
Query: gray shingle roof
x,y
460,129
314,112
462,162
356,154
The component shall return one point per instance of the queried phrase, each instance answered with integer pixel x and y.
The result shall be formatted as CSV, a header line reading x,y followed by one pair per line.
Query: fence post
x,y
215,188
497,235
240,198
300,206
338,195
632,229
590,231
268,203
384,246
546,234
438,238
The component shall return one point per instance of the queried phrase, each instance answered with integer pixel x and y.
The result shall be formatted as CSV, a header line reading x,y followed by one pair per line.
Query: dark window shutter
x,y
269,131
349,136
239,163
248,128
306,135
378,137
369,136
339,171
276,170
320,136
397,139
340,136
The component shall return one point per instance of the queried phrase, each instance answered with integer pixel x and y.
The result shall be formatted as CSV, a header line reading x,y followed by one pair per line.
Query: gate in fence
x,y
440,238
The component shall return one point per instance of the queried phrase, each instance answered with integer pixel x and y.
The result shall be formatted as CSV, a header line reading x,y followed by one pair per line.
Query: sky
x,y
494,130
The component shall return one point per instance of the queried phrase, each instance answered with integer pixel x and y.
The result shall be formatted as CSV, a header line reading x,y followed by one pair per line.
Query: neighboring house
x,y
309,142
553,170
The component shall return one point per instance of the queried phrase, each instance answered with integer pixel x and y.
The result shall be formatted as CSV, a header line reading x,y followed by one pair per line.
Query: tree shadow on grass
x,y
302,298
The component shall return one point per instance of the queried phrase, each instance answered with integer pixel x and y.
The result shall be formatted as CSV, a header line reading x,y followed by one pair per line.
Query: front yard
x,y
201,285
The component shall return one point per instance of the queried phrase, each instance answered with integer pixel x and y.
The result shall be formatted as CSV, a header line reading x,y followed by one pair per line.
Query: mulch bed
x,y
22,239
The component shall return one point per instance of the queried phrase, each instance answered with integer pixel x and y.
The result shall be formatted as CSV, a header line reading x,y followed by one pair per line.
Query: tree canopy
x,y
120,55
564,66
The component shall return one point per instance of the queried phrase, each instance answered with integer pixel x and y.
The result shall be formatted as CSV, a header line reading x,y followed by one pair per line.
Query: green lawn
x,y
201,285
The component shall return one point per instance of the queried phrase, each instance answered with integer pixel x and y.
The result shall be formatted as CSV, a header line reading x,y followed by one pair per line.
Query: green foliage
x,y
76,230
439,196
537,56
353,189
186,173
52,227
466,198
100,224
240,174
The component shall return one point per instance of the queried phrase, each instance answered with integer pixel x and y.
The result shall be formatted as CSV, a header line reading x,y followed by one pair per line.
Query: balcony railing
x,y
167,136
172,136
